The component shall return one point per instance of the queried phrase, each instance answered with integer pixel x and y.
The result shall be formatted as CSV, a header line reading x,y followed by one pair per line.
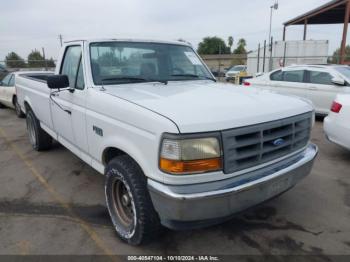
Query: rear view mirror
x,y
57,81
338,81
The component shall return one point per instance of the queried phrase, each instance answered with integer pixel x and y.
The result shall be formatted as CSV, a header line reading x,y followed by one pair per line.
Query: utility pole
x,y
44,58
273,7
61,39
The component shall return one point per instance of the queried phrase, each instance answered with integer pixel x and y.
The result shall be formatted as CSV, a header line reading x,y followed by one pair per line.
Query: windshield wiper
x,y
195,76
137,79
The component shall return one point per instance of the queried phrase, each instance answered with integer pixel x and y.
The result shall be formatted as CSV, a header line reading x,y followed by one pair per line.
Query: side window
x,y
80,77
322,78
6,80
277,76
12,81
294,76
71,63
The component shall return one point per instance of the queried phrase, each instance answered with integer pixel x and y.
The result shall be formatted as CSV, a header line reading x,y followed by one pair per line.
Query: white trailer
x,y
286,53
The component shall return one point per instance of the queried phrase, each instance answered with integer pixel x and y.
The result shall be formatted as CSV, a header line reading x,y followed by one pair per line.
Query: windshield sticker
x,y
193,58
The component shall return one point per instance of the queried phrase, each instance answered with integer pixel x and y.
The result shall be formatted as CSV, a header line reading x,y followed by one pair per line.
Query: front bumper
x,y
209,203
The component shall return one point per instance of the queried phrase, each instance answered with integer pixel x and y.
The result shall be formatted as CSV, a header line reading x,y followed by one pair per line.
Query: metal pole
x,y
44,59
305,29
270,22
284,54
284,33
270,62
258,63
61,39
264,56
345,32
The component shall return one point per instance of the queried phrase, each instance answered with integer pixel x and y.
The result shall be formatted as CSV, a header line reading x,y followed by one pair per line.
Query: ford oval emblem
x,y
279,142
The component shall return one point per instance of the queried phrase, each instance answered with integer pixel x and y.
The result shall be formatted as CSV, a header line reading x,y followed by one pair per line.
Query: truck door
x,y
61,109
71,126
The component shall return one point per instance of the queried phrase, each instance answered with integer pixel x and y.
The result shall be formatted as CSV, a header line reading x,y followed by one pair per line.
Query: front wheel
x,y
129,203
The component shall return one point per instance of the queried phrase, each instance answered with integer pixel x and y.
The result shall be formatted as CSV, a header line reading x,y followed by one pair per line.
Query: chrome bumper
x,y
196,204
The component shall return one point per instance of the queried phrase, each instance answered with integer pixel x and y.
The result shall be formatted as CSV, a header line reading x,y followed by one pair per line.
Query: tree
x,y
240,50
213,46
230,42
35,59
50,62
14,61
335,59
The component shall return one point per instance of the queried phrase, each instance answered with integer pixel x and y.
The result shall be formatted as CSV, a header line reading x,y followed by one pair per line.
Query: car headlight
x,y
190,155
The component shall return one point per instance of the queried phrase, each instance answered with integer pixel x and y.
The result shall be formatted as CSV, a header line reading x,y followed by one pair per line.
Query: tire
x,y
2,106
129,203
18,109
39,139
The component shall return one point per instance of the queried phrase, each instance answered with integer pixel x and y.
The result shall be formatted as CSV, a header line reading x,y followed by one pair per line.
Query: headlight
x,y
190,155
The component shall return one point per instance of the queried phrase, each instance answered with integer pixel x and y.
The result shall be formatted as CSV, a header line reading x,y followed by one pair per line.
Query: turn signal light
x,y
178,167
336,107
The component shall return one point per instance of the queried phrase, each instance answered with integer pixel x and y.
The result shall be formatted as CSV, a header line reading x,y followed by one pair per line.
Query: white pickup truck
x,y
178,149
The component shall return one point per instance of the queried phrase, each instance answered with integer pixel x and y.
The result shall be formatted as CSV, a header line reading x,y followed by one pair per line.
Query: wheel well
x,y
110,153
27,106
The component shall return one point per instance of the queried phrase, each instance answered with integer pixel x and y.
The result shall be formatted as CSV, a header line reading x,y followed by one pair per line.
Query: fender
x,y
130,149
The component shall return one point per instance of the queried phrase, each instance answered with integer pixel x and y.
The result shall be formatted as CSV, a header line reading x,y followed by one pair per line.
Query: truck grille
x,y
258,144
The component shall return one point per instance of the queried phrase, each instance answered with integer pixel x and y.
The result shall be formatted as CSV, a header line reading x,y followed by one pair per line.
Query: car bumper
x,y
337,132
192,206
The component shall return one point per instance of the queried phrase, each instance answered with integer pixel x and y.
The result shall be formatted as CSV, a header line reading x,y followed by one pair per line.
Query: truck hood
x,y
202,106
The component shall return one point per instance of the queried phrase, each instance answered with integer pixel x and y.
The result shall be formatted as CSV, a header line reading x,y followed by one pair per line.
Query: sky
x,y
34,24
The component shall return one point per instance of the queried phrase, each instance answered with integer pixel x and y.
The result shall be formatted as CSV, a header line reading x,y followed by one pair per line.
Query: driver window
x,y
71,63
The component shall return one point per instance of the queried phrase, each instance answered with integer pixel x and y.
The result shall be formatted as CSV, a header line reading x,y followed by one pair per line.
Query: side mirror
x,y
338,81
57,81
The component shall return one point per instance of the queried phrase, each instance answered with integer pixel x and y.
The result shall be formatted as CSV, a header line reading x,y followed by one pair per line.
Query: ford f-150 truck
x,y
178,149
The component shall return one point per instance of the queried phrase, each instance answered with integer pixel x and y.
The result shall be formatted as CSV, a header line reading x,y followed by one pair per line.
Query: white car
x,y
8,96
337,123
234,71
178,148
318,83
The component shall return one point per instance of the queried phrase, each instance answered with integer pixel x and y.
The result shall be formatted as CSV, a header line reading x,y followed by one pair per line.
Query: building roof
x,y
329,13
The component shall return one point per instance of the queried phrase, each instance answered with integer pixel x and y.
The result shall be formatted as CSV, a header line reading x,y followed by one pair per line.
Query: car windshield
x,y
237,68
345,71
136,62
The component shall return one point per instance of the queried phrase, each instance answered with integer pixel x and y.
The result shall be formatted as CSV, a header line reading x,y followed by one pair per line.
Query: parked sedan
x,y
8,96
337,124
318,83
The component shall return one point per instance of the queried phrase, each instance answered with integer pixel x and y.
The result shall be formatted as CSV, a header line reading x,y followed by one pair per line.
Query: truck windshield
x,y
135,62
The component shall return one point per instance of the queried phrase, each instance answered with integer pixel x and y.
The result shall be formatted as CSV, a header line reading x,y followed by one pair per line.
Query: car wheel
x,y
129,203
2,106
18,109
38,138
